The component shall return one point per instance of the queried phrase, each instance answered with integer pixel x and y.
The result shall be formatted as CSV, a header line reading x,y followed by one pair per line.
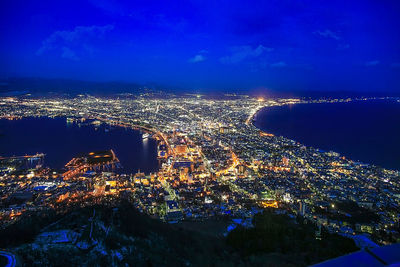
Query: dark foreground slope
x,y
119,235
104,235
293,240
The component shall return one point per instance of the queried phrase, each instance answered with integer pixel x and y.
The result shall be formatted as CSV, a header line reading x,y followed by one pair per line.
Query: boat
x,y
145,135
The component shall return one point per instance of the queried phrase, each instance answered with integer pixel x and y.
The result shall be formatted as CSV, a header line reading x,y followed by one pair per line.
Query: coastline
x,y
104,131
332,147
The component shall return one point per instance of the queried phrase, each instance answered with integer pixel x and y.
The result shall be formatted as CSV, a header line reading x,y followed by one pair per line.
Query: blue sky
x,y
231,45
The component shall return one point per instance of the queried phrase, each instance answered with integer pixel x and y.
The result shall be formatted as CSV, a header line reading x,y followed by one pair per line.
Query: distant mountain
x,y
39,86
65,87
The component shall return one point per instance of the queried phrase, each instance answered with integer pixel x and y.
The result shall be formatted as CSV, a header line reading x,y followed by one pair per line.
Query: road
x,y
10,257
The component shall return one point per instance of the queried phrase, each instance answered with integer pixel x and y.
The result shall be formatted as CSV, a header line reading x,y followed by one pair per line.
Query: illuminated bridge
x,y
98,160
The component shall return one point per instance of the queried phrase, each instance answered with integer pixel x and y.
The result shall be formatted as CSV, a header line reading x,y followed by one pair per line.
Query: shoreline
x,y
89,123
331,149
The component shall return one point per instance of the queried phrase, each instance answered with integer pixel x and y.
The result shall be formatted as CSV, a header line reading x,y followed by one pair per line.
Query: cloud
x,y
280,64
68,54
197,58
67,43
240,53
372,63
328,34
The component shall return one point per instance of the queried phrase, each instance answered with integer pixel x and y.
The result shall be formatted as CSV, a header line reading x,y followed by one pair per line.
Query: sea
x,y
61,141
364,131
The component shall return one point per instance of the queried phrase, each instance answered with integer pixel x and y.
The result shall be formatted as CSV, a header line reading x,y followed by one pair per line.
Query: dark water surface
x,y
366,131
61,142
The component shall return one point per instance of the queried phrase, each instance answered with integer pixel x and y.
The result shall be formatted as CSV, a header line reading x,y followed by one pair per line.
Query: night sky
x,y
280,45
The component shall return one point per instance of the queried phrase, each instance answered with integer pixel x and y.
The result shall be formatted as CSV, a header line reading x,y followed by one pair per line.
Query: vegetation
x,y
358,214
295,239
26,228
115,235
119,234
349,212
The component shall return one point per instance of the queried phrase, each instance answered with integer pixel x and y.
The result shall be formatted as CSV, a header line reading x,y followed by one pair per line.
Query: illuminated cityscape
x,y
213,161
